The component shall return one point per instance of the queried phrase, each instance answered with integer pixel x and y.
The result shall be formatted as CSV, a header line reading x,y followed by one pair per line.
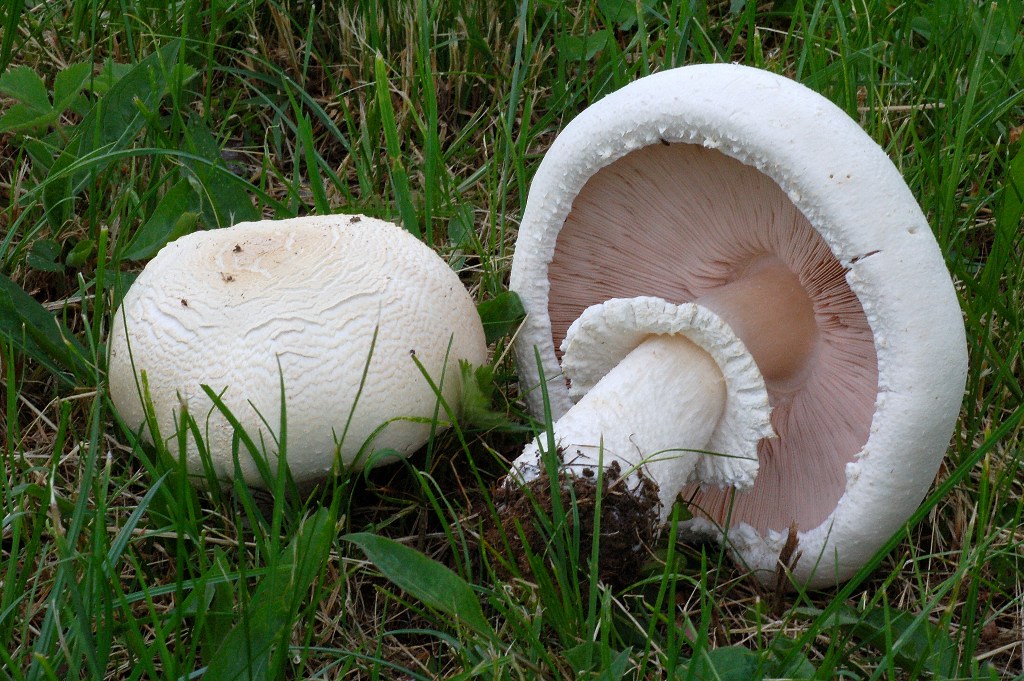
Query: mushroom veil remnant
x,y
715,239
343,310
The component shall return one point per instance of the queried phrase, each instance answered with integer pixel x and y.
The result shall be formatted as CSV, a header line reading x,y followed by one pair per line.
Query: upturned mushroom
x,y
760,201
346,312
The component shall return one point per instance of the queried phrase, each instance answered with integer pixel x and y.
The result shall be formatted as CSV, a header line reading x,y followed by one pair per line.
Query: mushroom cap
x,y
753,164
339,308
605,333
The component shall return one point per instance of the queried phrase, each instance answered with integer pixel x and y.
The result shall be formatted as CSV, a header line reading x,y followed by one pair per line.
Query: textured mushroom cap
x,y
244,308
605,333
760,144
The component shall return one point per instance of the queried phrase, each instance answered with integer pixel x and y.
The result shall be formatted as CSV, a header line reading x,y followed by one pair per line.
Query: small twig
x,y
788,557
149,534
55,305
1001,649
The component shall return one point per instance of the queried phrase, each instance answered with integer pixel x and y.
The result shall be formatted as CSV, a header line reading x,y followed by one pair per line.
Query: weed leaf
x,y
916,643
425,579
80,253
174,216
20,118
23,84
617,669
67,84
583,48
33,109
501,315
112,123
224,198
789,661
248,650
40,335
45,256
730,663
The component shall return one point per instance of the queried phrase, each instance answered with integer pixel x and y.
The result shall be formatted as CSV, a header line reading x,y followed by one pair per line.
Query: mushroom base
x,y
629,521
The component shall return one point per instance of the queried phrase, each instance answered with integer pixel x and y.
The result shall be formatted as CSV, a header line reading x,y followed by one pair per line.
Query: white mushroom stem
x,y
655,410
662,390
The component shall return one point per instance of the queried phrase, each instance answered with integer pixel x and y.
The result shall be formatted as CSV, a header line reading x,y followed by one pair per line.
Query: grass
x,y
146,121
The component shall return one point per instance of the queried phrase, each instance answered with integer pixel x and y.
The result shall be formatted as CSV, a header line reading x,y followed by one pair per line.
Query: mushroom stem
x,y
656,409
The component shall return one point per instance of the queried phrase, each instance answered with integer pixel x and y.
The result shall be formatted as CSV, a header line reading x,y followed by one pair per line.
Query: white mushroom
x,y
753,196
338,308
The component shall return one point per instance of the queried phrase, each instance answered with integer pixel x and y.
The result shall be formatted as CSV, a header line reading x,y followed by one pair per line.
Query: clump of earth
x,y
628,527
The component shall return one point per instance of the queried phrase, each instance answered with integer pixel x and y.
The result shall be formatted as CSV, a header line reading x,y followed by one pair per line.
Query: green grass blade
x,y
396,167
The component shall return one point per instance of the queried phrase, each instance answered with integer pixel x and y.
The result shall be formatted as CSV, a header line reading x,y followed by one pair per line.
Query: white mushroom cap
x,y
300,301
605,333
672,186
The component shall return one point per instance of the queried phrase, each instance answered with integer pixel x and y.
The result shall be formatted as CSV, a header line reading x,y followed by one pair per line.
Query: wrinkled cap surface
x,y
337,308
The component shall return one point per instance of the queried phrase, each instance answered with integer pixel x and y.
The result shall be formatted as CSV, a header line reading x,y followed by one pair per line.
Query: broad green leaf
x,y
68,84
583,48
21,118
587,655
40,335
622,13
116,118
582,657
80,254
501,315
112,123
424,579
922,26
1006,38
790,662
224,197
174,216
23,84
42,152
108,76
45,256
248,650
917,644
617,669
460,228
730,663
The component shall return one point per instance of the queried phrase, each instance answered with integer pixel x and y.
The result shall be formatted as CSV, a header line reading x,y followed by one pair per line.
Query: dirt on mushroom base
x,y
629,522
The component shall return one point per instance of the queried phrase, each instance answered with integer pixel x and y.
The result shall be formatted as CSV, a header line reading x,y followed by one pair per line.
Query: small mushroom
x,y
342,310
759,200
